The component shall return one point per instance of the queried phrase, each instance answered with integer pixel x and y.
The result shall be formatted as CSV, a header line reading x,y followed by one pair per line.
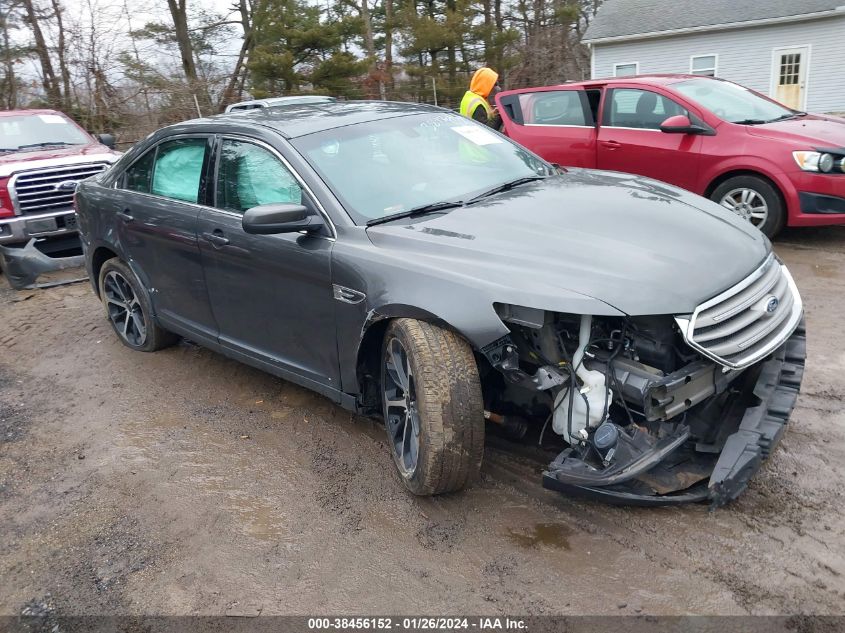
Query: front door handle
x,y
611,144
216,238
124,215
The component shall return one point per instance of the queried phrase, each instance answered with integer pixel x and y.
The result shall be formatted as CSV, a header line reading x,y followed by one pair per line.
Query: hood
x,y
56,152
483,81
813,130
19,161
639,245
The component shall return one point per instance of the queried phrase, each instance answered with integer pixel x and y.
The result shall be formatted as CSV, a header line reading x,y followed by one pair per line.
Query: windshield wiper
x,y
417,211
750,122
504,187
784,117
47,144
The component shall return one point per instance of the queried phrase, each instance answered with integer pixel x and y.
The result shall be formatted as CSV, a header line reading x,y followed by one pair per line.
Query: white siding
x,y
745,56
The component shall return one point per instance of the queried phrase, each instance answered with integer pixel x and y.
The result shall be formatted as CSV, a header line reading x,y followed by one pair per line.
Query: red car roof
x,y
663,79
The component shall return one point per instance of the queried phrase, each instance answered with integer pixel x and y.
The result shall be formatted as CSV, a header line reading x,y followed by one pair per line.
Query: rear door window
x,y
178,169
139,176
555,107
640,109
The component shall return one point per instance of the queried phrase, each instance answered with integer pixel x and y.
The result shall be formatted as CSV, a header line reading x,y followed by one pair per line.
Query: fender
x,y
90,249
368,346
758,164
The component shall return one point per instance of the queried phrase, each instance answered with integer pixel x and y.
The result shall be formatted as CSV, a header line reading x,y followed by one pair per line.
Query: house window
x,y
703,65
626,70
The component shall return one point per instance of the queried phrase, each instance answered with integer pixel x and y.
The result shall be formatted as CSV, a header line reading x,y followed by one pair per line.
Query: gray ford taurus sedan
x,y
407,262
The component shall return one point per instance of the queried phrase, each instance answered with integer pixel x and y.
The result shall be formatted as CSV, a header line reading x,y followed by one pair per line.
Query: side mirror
x,y
680,124
269,219
106,139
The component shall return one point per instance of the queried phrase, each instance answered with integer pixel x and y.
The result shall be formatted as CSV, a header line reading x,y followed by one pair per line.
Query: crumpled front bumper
x,y
23,266
760,429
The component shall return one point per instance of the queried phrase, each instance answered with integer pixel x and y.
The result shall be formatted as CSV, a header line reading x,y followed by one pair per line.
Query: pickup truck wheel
x,y
433,409
753,199
129,310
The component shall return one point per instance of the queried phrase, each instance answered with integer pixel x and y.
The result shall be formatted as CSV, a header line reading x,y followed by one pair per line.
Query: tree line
x,y
112,70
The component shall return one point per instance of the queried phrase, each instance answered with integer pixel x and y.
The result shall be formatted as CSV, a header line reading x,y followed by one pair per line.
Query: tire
x,y
135,327
447,410
750,197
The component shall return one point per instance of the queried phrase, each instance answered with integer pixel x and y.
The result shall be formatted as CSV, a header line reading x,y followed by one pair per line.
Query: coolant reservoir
x,y
593,391
597,395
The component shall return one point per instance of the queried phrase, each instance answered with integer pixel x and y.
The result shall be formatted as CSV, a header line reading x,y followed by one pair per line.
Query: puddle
x,y
553,535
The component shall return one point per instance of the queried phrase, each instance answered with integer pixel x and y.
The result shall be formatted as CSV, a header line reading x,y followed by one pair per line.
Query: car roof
x,y
646,80
295,119
273,101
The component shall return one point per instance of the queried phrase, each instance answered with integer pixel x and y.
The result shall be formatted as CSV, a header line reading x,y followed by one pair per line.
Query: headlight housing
x,y
818,161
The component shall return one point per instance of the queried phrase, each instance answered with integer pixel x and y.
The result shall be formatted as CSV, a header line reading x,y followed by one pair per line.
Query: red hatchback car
x,y
774,166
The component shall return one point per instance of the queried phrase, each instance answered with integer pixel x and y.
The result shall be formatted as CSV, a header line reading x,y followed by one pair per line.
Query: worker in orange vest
x,y
478,101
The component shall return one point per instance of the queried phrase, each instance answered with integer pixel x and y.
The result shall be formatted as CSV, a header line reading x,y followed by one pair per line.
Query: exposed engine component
x,y
644,414
579,407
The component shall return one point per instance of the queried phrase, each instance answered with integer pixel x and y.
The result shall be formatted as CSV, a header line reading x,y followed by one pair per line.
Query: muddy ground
x,y
181,482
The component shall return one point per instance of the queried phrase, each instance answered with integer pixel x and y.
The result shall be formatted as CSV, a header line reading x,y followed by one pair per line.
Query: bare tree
x,y
182,33
61,50
9,79
51,85
234,87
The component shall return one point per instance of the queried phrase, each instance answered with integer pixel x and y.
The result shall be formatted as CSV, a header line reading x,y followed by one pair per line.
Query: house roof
x,y
632,19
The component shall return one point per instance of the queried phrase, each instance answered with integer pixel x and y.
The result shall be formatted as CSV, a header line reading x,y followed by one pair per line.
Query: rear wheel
x,y
129,310
433,409
754,199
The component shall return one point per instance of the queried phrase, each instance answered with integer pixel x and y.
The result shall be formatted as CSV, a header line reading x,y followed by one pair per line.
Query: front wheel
x,y
753,199
433,408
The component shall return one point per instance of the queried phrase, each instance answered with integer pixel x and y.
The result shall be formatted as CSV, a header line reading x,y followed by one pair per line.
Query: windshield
x,y
732,102
33,131
392,166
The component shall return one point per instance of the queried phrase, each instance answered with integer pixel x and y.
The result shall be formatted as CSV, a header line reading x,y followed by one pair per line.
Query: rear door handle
x,y
611,144
216,238
123,215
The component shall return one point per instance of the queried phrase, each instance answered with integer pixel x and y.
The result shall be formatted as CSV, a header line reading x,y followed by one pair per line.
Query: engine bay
x,y
641,416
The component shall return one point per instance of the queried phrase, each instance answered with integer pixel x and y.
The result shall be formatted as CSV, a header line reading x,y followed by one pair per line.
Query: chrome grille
x,y
36,191
746,322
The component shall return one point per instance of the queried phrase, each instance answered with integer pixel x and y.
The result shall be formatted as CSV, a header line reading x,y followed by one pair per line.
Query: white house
x,y
791,50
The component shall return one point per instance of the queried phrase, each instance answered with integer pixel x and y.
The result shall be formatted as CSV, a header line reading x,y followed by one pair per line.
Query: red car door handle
x,y
611,144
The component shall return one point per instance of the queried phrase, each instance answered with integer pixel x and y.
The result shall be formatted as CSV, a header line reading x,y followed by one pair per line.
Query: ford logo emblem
x,y
772,304
66,185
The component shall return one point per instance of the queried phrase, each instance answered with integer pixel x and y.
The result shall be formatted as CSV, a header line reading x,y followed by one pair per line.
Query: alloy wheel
x,y
748,204
401,414
124,309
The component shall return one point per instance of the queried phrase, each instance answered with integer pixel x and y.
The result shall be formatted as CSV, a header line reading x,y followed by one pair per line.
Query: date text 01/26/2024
x,y
415,623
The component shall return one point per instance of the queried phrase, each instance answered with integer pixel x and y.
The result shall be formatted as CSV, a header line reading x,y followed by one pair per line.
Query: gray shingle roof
x,y
618,18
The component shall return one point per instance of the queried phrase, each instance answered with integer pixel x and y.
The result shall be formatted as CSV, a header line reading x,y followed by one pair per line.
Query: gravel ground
x,y
181,482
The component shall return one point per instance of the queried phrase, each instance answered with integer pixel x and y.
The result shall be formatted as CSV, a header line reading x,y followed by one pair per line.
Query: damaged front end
x,y
658,410
23,266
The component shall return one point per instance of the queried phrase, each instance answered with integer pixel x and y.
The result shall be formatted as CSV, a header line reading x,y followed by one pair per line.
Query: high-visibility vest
x,y
471,102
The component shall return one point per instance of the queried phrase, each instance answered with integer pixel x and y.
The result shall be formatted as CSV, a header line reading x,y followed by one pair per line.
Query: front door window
x,y
640,109
250,175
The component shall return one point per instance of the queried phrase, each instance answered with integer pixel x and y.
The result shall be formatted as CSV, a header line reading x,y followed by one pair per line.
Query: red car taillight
x,y
6,210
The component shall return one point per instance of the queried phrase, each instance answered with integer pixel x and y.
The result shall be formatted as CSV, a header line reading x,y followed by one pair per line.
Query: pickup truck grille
x,y
749,321
50,189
